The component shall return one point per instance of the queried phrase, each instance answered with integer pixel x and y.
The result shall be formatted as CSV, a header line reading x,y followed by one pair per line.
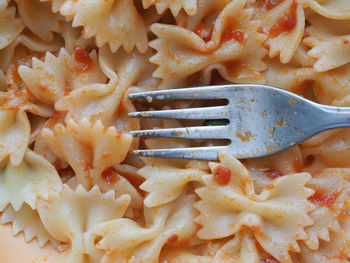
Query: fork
x,y
263,120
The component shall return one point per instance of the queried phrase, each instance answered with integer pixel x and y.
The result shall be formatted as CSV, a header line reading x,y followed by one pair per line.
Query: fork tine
x,y
206,113
197,153
209,132
211,92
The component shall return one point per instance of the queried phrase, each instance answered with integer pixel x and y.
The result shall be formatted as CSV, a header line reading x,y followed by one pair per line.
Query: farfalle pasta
x,y
69,180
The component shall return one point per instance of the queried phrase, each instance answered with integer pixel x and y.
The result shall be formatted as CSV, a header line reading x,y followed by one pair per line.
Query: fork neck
x,y
335,117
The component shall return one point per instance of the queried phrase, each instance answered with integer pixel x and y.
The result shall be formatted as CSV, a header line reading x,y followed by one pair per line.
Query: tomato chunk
x,y
222,175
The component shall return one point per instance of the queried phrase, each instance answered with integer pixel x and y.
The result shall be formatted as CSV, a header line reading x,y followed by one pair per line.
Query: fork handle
x,y
335,117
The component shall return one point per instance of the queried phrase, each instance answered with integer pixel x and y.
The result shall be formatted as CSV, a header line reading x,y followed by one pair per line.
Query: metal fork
x,y
262,120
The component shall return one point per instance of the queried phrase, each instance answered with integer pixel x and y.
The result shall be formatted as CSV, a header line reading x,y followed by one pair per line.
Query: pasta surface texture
x,y
68,175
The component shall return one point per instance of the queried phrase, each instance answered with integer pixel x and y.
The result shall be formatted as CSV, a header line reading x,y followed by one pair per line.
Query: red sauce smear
x,y
273,173
201,30
323,199
229,34
297,165
172,239
57,165
56,116
222,175
270,186
309,160
83,59
269,4
87,166
16,100
110,176
286,23
269,260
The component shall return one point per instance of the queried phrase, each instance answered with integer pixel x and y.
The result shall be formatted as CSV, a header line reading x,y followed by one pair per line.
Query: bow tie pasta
x,y
69,178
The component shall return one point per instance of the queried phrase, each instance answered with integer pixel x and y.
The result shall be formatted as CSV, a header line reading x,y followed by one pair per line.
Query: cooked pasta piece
x,y
10,26
229,48
283,23
338,250
34,178
172,224
34,14
52,79
335,9
70,216
115,22
90,148
329,40
14,127
332,188
166,183
190,6
27,220
277,216
242,248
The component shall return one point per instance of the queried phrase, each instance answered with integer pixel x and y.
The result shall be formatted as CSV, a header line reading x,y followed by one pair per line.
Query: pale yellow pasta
x,y
181,52
285,43
128,239
242,248
14,127
51,79
190,6
89,148
10,27
329,40
34,14
165,184
334,182
70,216
34,178
336,9
115,22
69,178
27,220
276,216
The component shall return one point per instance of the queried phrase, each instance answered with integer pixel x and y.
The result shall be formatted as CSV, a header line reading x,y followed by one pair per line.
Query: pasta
x,y
68,175
175,6
28,221
236,206
10,26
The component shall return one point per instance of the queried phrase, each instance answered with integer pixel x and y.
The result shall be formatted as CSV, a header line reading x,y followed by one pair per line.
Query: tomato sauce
x,y
273,173
269,260
297,164
222,175
56,116
230,34
323,199
309,160
110,176
84,61
172,239
15,100
87,166
202,31
270,186
269,4
286,23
